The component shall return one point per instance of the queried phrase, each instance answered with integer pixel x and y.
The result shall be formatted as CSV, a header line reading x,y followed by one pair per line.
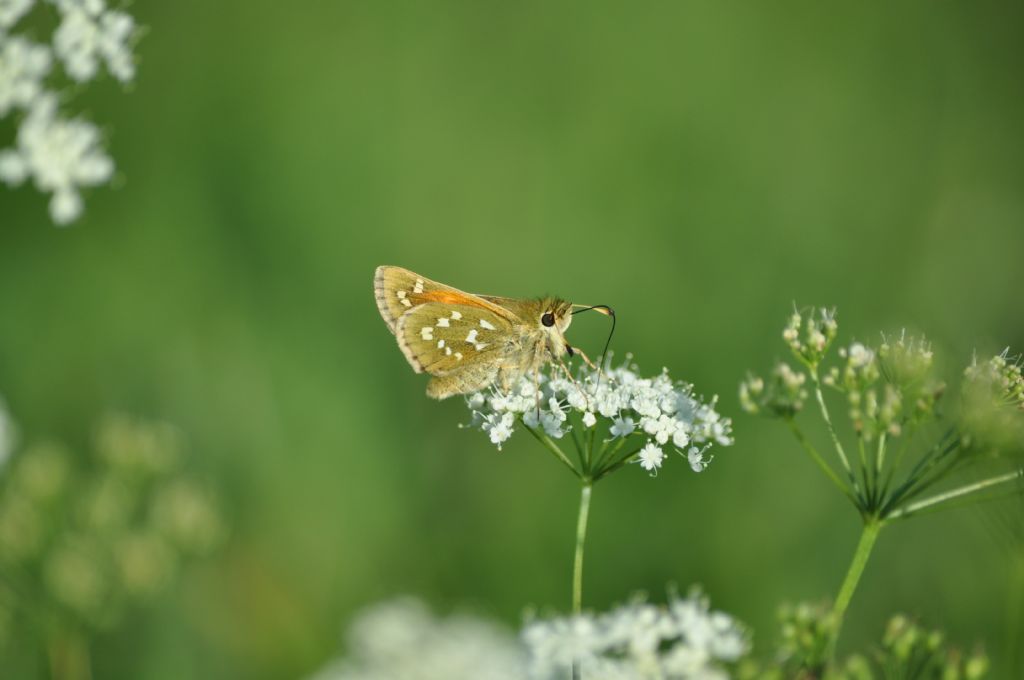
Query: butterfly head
x,y
553,319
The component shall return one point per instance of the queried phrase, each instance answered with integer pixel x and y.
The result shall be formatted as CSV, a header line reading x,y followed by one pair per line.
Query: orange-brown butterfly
x,y
468,342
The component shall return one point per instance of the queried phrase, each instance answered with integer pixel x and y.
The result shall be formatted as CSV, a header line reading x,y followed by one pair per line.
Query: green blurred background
x,y
698,166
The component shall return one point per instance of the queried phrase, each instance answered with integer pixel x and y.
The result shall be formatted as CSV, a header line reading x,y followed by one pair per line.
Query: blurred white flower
x,y
622,427
60,156
681,641
402,640
23,65
89,33
12,10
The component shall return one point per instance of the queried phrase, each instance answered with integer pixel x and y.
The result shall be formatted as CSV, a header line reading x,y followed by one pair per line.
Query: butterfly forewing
x,y
441,338
399,290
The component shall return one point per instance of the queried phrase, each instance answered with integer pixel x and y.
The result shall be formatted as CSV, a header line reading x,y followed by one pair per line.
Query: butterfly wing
x,y
399,290
438,338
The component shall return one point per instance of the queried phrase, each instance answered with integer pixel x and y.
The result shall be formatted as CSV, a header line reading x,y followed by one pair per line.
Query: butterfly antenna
x,y
607,311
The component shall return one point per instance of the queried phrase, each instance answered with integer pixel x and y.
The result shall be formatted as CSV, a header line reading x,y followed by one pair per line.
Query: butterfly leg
x,y
572,379
536,391
587,360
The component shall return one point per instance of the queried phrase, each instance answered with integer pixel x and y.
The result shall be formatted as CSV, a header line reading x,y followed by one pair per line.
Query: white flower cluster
x,y
59,155
618,402
401,639
681,641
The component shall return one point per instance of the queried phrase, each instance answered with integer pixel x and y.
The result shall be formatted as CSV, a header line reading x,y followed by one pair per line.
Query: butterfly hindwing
x,y
399,290
447,339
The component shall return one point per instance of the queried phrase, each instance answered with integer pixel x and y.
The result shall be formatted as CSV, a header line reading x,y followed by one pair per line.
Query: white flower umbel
x,y
23,66
88,34
681,641
12,10
612,419
402,639
61,155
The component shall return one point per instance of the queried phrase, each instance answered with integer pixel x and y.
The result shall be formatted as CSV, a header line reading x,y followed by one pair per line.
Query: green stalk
x,y
952,494
608,453
617,464
553,448
872,526
828,421
581,538
577,564
825,467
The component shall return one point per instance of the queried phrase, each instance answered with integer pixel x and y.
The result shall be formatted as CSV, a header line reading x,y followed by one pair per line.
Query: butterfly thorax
x,y
540,342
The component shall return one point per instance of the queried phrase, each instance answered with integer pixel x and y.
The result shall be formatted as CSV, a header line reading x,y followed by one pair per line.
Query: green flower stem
x,y
580,450
831,429
608,453
952,494
876,472
69,656
577,562
590,445
617,464
581,538
825,467
880,458
923,466
553,448
895,463
872,526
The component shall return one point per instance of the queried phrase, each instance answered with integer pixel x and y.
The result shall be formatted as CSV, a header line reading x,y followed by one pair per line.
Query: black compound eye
x,y
548,319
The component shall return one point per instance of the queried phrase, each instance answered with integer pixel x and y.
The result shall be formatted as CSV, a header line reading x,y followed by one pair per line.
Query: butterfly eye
x,y
548,319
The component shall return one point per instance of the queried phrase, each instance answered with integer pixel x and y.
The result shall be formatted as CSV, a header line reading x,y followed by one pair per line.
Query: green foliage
x,y
907,651
83,540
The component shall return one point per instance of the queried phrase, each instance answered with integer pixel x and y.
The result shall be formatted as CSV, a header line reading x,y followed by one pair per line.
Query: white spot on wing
x,y
401,294
440,344
405,301
458,355
471,337
418,288
447,350
442,323
484,323
480,345
427,332
456,315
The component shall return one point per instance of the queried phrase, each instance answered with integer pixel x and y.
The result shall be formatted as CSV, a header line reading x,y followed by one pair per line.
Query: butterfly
x,y
469,342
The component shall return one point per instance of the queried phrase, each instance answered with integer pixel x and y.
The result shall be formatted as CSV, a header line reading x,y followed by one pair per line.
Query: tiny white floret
x,y
651,457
